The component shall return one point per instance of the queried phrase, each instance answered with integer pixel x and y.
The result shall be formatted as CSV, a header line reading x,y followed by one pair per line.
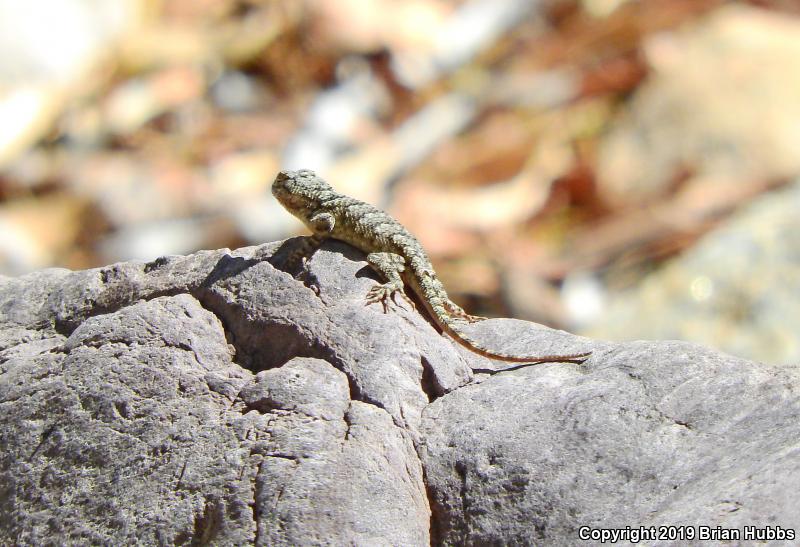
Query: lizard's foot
x,y
382,294
457,312
407,299
304,274
475,318
385,293
301,267
302,253
296,262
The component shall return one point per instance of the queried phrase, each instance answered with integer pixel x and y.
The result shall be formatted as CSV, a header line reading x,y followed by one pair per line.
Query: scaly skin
x,y
391,250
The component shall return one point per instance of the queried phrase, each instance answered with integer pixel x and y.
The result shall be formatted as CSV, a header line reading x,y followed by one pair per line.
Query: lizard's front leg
x,y
322,226
390,266
299,257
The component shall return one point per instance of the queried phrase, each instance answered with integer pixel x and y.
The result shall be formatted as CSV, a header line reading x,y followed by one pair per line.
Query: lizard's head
x,y
299,190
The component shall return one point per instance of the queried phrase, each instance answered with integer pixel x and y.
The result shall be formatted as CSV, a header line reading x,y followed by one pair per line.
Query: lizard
x,y
391,251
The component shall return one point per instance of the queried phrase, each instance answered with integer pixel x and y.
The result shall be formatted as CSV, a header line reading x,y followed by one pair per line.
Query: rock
x,y
651,434
215,398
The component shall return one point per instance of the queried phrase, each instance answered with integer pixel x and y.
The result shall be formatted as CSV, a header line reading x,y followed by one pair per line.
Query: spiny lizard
x,y
391,250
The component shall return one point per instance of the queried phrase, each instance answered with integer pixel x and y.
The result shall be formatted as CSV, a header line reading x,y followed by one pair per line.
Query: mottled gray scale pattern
x,y
371,230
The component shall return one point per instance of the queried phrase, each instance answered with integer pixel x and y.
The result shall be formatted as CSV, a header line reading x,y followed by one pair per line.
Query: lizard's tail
x,y
434,299
449,327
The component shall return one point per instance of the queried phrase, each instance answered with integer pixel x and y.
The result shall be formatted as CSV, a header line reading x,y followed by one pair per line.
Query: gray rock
x,y
651,434
215,398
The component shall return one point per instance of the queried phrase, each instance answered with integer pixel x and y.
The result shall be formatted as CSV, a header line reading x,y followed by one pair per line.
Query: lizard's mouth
x,y
279,185
299,190
287,199
282,189
279,189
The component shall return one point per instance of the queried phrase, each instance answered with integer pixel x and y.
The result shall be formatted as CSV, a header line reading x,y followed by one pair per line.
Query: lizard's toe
x,y
458,313
409,300
475,318
378,294
375,294
386,294
404,296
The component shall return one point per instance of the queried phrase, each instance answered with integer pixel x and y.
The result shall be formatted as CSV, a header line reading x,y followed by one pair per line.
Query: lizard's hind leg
x,y
450,308
390,266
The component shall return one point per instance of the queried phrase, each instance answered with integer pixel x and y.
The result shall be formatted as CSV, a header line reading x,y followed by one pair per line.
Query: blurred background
x,y
622,169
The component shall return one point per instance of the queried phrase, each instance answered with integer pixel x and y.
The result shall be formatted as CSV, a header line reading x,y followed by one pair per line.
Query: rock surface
x,y
215,398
